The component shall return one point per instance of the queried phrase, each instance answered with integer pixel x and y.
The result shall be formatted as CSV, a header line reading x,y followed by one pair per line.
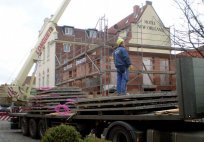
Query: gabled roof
x,y
132,18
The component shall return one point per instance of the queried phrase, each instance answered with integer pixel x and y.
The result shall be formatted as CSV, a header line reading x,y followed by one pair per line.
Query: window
x,y
39,80
164,67
69,66
47,81
39,63
68,31
43,55
92,33
48,52
43,79
67,47
65,61
80,61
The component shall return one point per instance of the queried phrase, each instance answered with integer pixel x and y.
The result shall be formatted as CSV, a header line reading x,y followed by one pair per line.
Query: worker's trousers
x,y
122,79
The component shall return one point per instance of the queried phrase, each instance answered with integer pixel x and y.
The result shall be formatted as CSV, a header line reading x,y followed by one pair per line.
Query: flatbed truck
x,y
148,117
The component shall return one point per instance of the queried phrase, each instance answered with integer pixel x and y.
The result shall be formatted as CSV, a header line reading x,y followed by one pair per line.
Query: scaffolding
x,y
89,65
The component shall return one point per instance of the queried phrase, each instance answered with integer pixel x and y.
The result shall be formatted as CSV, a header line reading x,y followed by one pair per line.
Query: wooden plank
x,y
48,107
42,111
132,96
167,112
44,101
146,107
55,99
57,96
64,93
58,92
134,102
46,111
59,89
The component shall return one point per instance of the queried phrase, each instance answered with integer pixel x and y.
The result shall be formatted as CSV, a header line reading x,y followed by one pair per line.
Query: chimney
x,y
148,3
136,10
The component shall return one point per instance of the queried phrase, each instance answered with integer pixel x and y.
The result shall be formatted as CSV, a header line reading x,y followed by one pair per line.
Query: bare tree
x,y
192,35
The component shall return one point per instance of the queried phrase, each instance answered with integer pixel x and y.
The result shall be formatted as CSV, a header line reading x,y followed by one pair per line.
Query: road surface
x,y
8,135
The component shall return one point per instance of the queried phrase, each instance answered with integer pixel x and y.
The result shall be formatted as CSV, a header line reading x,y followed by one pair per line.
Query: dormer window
x,y
92,33
68,30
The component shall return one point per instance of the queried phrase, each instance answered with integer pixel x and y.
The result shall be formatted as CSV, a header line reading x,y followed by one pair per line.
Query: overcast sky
x,y
22,19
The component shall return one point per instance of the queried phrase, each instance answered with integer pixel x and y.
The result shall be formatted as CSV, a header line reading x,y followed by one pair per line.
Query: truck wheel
x,y
33,128
120,134
41,128
85,132
83,129
98,131
24,126
14,126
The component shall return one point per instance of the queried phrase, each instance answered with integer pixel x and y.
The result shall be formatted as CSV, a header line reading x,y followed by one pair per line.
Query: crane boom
x,y
60,11
37,50
19,80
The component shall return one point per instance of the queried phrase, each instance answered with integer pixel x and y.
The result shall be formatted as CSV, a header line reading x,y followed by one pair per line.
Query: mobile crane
x,y
17,90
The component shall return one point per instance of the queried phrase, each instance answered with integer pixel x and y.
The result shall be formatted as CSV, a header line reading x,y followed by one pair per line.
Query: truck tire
x,y
120,134
14,123
24,126
99,130
33,128
41,128
14,126
83,129
120,131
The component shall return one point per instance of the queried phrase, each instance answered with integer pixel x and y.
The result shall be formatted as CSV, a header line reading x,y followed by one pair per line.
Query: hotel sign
x,y
150,25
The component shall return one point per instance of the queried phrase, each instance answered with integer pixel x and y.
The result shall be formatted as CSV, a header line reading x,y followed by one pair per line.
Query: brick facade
x,y
89,65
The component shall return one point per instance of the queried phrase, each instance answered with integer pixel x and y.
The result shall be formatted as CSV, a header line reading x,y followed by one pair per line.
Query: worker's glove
x,y
111,58
131,68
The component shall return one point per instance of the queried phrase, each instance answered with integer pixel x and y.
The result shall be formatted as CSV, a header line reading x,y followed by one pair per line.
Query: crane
x,y
17,90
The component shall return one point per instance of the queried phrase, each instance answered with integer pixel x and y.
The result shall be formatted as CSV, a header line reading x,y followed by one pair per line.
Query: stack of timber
x,y
129,104
46,101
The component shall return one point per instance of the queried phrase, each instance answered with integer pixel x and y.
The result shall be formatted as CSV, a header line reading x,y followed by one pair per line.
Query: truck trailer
x,y
174,116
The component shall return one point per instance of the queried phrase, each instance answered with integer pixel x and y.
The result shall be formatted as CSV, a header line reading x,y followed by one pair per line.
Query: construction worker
x,y
122,63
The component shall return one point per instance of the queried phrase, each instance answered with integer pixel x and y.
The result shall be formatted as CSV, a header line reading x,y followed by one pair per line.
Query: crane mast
x,y
17,87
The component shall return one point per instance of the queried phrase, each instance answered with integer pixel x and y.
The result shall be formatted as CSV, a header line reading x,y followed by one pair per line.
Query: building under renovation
x,y
83,57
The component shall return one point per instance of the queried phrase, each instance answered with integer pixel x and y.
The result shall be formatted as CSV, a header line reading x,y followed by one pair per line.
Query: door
x,y
147,66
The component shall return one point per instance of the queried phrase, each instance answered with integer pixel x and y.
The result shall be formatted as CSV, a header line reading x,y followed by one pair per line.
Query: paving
x,y
8,135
